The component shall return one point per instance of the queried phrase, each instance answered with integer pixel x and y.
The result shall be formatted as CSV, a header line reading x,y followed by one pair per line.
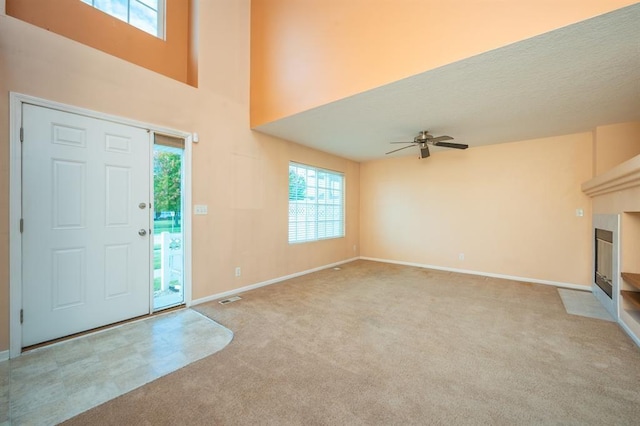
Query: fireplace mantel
x,y
623,176
616,199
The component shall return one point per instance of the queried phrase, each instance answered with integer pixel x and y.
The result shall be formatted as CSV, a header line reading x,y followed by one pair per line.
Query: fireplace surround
x,y
616,206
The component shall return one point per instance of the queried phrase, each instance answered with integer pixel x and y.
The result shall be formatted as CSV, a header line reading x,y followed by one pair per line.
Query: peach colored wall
x,y
615,144
83,23
510,208
241,175
308,53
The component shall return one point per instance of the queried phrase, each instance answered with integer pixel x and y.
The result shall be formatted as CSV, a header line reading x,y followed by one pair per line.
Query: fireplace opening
x,y
604,261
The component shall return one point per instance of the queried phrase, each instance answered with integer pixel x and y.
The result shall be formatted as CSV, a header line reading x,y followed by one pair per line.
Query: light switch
x,y
200,209
579,212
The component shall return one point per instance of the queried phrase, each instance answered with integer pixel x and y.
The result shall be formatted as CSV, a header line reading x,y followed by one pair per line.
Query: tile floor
x,y
54,383
583,303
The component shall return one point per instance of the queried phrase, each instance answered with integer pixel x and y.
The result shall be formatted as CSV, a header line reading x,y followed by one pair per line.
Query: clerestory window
x,y
316,203
147,15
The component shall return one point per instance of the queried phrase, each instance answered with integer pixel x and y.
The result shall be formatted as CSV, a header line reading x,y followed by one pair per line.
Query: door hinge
x,y
21,316
21,134
21,225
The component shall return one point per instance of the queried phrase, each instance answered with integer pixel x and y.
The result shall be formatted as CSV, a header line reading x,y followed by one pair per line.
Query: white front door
x,y
85,205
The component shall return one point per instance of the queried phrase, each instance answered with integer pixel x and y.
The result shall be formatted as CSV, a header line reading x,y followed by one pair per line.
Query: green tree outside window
x,y
297,186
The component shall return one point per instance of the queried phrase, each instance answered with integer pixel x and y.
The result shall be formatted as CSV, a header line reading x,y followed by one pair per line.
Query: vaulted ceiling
x,y
566,81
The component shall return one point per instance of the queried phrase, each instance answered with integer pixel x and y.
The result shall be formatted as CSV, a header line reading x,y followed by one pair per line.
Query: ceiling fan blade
x,y
399,149
402,142
452,145
441,138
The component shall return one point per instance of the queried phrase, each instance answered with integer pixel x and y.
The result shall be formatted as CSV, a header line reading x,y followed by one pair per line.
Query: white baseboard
x,y
398,262
485,274
4,355
268,282
627,330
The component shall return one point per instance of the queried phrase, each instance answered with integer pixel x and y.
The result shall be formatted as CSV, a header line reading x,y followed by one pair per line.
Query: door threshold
x,y
169,308
102,328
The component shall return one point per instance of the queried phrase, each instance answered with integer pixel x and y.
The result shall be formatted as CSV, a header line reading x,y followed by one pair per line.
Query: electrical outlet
x,y
200,209
461,256
238,271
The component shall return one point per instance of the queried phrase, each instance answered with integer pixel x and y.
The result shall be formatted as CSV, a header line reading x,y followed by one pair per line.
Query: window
x,y
79,20
147,15
168,230
316,203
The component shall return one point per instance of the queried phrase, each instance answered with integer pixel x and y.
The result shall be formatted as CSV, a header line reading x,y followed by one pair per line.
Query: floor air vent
x,y
229,300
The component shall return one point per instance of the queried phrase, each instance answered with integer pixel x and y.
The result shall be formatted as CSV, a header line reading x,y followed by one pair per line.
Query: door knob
x,y
142,232
142,205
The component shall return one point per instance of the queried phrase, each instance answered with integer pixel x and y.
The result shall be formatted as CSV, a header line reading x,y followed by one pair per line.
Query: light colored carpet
x,y
384,344
583,303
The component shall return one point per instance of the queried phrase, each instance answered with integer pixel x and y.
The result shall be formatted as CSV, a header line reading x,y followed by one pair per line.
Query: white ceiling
x,y
566,81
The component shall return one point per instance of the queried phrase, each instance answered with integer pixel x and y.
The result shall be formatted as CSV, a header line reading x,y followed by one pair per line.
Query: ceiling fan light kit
x,y
424,151
424,139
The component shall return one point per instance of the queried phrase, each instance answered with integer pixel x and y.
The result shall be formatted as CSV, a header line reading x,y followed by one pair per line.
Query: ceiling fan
x,y
424,139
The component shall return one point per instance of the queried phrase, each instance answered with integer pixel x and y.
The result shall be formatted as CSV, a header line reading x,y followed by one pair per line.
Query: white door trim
x,y
15,201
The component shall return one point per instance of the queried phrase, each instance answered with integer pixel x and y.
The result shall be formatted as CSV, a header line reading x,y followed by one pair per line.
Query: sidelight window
x,y
168,231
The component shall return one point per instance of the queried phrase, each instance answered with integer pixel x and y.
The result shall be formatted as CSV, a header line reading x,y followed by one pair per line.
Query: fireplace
x,y
604,261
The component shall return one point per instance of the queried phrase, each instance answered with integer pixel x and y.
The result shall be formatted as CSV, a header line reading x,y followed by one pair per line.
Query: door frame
x,y
16,100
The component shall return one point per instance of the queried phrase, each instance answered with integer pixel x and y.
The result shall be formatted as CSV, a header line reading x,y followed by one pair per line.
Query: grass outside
x,y
157,283
165,225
